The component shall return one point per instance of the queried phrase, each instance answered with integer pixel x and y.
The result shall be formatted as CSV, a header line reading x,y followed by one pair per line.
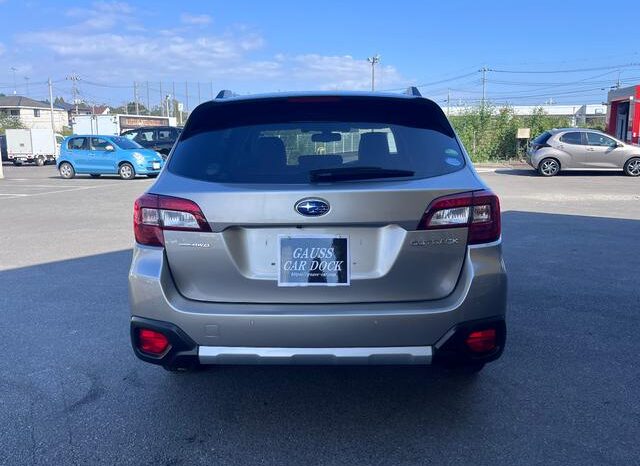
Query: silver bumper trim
x,y
414,355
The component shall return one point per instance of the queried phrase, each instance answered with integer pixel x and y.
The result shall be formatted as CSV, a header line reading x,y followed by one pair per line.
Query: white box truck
x,y
114,125
32,145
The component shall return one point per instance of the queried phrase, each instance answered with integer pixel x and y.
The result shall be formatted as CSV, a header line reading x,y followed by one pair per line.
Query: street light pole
x,y
374,61
26,79
53,126
15,85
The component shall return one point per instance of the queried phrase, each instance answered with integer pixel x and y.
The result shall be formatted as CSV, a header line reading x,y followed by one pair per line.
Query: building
x,y
33,113
83,109
623,117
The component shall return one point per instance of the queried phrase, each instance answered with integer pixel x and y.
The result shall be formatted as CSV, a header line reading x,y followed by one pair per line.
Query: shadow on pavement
x,y
532,172
74,392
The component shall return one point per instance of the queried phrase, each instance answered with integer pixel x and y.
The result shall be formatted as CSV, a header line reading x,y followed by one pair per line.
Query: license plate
x,y
156,165
313,260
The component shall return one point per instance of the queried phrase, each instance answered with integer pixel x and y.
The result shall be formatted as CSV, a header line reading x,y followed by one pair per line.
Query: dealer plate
x,y
313,260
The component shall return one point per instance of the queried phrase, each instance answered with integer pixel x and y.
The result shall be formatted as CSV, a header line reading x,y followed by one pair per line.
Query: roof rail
x,y
225,94
413,90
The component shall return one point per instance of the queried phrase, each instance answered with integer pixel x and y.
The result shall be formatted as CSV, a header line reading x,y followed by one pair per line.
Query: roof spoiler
x,y
226,94
413,90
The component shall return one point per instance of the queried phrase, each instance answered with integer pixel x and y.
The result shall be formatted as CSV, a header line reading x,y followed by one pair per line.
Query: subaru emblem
x,y
312,207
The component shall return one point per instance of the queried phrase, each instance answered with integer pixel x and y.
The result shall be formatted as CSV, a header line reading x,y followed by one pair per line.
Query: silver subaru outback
x,y
318,228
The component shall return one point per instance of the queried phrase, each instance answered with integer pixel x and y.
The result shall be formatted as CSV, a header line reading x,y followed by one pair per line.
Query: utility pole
x,y
53,126
135,97
26,80
618,82
199,93
15,85
186,103
74,78
374,61
148,100
448,102
173,95
484,70
211,88
161,102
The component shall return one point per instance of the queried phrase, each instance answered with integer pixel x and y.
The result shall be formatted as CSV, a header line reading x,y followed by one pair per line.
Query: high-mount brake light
x,y
153,213
479,211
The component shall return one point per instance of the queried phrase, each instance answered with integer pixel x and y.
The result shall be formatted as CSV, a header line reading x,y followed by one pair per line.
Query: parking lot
x,y
565,391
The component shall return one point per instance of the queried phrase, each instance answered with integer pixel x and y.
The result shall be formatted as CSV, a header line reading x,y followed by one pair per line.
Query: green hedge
x,y
489,133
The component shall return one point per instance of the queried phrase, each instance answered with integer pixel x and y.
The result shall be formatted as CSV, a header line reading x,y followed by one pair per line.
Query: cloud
x,y
104,16
343,72
2,47
188,18
106,42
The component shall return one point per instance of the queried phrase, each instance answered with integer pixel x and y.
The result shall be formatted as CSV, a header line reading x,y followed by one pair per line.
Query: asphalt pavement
x,y
565,391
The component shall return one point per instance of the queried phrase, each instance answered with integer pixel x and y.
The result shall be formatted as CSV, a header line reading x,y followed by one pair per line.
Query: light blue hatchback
x,y
97,155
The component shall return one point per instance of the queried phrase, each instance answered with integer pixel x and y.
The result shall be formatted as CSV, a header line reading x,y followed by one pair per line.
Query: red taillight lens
x,y
482,341
152,342
479,211
153,213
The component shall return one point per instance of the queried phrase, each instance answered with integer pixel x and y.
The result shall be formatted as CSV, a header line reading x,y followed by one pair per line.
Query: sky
x,y
535,52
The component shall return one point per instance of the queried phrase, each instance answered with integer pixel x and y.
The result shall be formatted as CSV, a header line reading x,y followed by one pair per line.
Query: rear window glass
x,y
283,140
542,138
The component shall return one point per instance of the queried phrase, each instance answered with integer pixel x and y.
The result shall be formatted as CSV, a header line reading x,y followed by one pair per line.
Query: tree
x,y
9,122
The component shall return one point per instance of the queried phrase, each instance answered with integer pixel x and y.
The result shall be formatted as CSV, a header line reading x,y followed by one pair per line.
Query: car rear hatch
x,y
321,206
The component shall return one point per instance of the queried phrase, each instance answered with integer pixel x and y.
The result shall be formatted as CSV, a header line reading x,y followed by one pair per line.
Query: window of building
x,y
15,112
36,112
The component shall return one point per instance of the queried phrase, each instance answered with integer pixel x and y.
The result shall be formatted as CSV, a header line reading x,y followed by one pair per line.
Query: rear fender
x,y
549,152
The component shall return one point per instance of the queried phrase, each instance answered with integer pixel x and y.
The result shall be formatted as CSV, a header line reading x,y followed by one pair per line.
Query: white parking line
x,y
81,188
43,186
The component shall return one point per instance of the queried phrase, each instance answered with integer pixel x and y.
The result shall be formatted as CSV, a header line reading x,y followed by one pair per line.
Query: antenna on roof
x,y
225,94
413,90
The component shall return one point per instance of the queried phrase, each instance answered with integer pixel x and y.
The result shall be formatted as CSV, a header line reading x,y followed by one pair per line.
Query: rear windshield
x,y
542,138
283,140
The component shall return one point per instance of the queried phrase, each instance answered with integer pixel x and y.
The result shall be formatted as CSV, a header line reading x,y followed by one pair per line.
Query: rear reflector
x,y
152,342
482,341
479,211
153,213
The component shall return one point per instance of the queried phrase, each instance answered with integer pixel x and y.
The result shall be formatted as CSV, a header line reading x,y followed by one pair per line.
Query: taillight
x,y
479,211
153,213
482,341
152,342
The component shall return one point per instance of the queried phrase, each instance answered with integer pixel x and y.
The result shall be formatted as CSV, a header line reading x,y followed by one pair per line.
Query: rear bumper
x,y
282,333
450,349
147,170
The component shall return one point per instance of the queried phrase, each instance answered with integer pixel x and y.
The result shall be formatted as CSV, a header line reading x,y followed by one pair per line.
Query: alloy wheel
x,y
549,167
633,167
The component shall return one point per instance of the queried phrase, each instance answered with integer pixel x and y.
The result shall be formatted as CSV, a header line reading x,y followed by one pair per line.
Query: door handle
x,y
590,149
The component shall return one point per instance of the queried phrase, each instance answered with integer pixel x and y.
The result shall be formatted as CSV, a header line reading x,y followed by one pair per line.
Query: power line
x,y
576,70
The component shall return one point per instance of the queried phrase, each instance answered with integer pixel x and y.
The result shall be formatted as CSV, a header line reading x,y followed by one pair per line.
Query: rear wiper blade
x,y
356,173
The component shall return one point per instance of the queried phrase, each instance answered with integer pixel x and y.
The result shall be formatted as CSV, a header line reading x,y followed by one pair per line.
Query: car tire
x,y
66,170
549,167
632,167
126,171
40,161
95,175
16,163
